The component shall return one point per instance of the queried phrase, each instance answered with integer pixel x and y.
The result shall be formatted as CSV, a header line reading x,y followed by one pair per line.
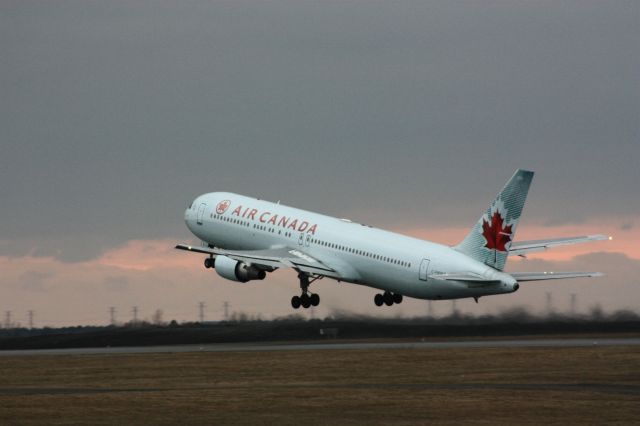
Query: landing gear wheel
x,y
378,299
314,299
305,300
208,263
295,302
388,299
397,298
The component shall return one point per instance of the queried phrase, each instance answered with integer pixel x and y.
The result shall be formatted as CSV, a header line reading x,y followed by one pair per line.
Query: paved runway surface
x,y
257,347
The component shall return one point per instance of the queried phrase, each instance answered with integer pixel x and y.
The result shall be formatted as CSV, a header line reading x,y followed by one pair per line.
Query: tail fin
x,y
490,239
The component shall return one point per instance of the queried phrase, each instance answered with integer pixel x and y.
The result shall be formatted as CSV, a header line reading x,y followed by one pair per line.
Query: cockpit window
x,y
190,205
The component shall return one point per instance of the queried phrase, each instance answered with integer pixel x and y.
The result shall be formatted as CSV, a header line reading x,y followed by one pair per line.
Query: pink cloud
x,y
149,274
152,274
144,255
624,240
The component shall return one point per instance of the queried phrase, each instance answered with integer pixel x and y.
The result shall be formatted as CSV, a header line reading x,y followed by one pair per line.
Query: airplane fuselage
x,y
361,254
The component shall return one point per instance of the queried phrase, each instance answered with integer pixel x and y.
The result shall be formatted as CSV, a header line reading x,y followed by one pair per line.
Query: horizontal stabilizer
x,y
525,247
541,276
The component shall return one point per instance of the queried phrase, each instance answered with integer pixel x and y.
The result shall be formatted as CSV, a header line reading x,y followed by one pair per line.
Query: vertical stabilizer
x,y
490,239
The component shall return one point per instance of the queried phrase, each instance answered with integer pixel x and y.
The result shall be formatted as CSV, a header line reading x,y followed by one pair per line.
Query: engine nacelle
x,y
237,271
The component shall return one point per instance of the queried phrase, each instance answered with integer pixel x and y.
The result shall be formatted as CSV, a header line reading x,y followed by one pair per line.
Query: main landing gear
x,y
387,298
306,299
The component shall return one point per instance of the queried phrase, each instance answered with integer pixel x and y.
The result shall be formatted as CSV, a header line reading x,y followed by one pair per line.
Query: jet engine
x,y
237,271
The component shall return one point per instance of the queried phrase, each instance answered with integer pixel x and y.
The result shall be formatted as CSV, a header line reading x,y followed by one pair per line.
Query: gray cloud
x,y
115,115
67,248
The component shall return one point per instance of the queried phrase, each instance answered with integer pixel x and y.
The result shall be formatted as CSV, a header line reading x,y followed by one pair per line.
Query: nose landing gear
x,y
306,299
387,298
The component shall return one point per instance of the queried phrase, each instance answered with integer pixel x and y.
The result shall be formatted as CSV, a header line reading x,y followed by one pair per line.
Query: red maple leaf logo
x,y
497,237
222,206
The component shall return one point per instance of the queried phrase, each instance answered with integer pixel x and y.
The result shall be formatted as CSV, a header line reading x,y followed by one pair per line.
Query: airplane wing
x,y
284,257
525,247
541,276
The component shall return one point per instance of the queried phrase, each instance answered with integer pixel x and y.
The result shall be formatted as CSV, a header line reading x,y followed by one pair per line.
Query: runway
x,y
262,347
524,381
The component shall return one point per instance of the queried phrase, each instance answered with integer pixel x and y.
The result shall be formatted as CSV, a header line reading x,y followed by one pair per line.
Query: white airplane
x,y
244,238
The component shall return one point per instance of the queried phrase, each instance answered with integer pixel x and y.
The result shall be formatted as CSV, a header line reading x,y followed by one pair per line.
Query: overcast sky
x,y
408,115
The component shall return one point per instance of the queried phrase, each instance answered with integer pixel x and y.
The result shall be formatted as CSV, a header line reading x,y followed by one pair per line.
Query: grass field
x,y
442,386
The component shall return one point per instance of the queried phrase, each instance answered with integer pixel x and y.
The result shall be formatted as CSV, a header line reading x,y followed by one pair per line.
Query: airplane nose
x,y
188,218
516,286
187,212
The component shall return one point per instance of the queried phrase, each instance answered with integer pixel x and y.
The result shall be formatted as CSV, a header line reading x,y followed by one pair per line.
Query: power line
x,y
201,312
31,313
549,303
226,307
7,319
112,315
135,314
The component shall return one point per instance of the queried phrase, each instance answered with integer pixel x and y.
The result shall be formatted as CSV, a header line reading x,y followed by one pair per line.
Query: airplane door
x,y
201,213
301,239
424,269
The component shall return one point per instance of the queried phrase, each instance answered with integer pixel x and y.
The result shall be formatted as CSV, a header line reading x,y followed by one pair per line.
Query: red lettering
x,y
293,224
283,221
304,225
237,211
262,219
245,212
252,214
312,230
273,219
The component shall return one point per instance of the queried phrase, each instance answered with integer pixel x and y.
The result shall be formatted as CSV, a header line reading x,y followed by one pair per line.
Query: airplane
x,y
245,238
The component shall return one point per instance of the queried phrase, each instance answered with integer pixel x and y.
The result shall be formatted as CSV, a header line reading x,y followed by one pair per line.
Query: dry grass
x,y
444,386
